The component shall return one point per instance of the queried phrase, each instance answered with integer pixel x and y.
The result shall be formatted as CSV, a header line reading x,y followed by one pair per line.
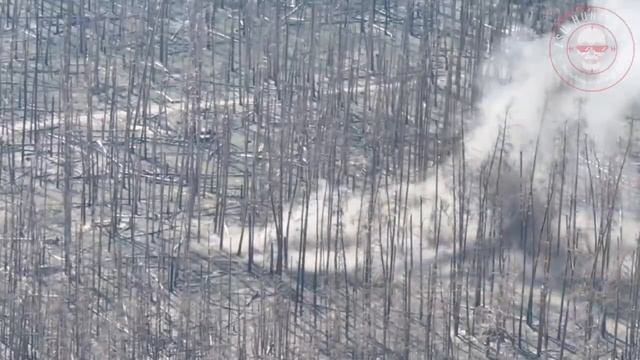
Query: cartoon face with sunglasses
x,y
592,49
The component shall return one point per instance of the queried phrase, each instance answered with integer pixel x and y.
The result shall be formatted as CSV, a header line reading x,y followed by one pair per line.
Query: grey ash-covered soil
x,y
281,180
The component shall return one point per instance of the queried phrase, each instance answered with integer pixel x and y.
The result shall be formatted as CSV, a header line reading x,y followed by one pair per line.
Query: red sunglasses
x,y
596,48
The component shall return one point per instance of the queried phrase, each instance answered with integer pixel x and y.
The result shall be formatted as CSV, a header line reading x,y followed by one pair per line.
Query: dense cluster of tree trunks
x,y
136,134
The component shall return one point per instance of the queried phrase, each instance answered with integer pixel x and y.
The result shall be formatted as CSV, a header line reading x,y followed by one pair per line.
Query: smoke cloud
x,y
521,90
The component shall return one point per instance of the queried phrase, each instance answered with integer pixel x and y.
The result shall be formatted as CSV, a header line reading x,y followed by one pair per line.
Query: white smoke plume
x,y
536,106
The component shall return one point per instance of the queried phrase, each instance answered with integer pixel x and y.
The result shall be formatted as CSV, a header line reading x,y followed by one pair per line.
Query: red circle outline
x,y
585,8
